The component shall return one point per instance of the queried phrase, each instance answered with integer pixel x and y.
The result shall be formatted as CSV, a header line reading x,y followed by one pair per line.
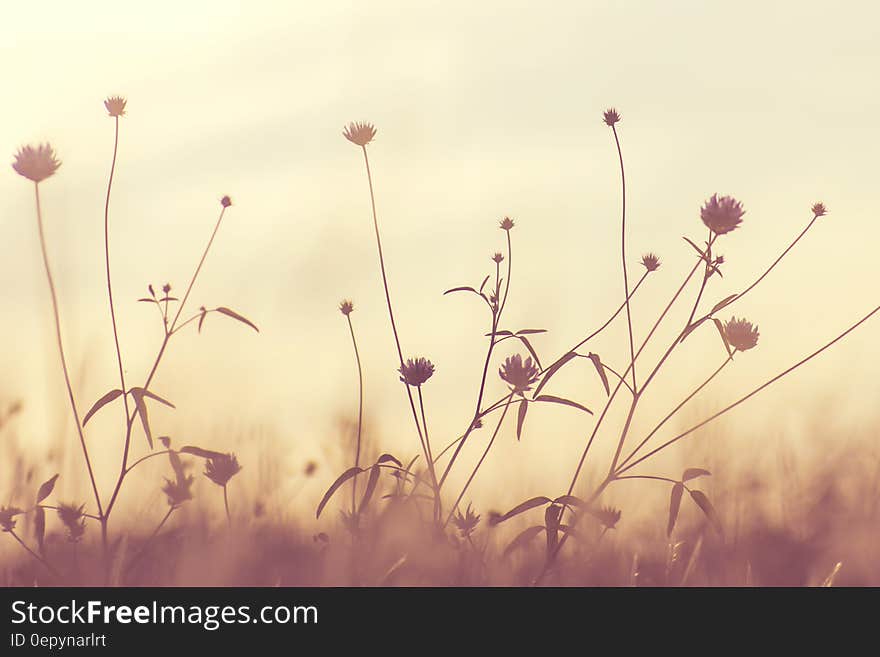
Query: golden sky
x,y
483,110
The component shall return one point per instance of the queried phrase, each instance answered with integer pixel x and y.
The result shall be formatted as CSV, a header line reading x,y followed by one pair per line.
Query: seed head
x,y
497,258
346,307
611,117
36,162
178,490
507,223
7,517
740,333
359,133
722,214
819,209
115,106
651,262
416,371
520,375
226,201
221,468
467,522
74,520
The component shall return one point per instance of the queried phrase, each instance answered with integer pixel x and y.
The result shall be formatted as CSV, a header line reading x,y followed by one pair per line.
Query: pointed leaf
x,y
562,400
505,333
371,486
40,527
152,395
46,489
703,502
520,508
553,369
521,417
204,313
385,458
461,288
532,351
345,476
674,506
235,315
723,335
148,300
103,401
483,284
691,328
600,369
141,408
693,473
570,500
523,538
552,515
530,331
696,248
198,451
723,303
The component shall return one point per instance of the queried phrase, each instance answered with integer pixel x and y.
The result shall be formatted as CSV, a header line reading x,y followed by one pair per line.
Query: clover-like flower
x,y
611,116
416,371
178,490
36,162
497,258
520,375
651,262
608,516
115,106
507,223
722,214
74,520
7,517
467,522
819,209
741,335
226,201
221,468
359,133
346,307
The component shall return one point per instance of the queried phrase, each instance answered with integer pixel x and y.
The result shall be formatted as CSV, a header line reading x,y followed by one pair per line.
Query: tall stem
x,y
226,506
357,452
632,352
82,439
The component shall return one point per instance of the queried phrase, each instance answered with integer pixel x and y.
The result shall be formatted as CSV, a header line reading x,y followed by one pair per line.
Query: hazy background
x,y
482,111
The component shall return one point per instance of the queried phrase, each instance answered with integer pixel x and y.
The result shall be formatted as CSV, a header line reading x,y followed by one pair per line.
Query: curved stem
x,y
147,543
226,506
357,453
34,554
623,258
51,281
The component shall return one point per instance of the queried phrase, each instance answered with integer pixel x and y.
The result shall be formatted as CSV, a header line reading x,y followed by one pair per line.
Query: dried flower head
x,y
741,335
346,307
226,201
819,209
722,214
221,468
166,288
359,133
651,262
520,375
74,520
178,490
416,371
611,117
498,258
467,522
507,223
608,516
115,106
7,517
36,162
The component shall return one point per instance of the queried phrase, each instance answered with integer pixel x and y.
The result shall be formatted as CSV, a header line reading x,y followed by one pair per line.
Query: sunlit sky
x,y
483,110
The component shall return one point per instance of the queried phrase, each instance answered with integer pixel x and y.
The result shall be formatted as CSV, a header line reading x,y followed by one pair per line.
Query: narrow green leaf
x,y
530,331
40,527
461,288
203,313
103,401
674,506
520,508
46,489
723,303
528,345
696,248
723,335
553,369
371,487
385,458
600,370
523,538
693,473
703,502
235,315
152,395
198,451
562,400
570,500
345,476
141,407
521,417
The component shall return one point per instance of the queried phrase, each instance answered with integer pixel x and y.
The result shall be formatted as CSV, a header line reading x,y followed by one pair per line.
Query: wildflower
x,y
497,258
36,162
221,468
607,515
507,223
7,517
651,262
740,333
416,372
819,209
521,375
115,106
74,520
178,490
346,307
166,288
359,133
466,523
226,201
722,214
611,117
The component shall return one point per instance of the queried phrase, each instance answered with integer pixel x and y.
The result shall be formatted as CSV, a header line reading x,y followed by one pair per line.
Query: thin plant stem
x,y
357,452
64,369
226,506
152,537
438,509
36,556
480,462
632,353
